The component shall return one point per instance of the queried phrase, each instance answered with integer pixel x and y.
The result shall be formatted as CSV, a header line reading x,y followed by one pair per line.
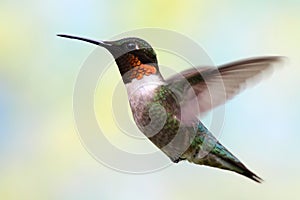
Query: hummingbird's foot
x,y
178,160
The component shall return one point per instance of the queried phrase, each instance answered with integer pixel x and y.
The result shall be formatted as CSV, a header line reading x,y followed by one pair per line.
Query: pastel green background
x,y
41,154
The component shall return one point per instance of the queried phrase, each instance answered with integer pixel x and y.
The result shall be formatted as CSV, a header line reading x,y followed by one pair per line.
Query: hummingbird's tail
x,y
227,162
206,150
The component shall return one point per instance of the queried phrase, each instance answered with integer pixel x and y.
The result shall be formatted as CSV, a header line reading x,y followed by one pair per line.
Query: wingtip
x,y
277,60
283,60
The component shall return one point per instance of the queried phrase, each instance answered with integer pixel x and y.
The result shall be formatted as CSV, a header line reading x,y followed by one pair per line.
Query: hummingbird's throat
x,y
139,70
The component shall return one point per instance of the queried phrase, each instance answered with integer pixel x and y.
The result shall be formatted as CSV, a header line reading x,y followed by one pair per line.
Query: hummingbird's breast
x,y
141,95
154,107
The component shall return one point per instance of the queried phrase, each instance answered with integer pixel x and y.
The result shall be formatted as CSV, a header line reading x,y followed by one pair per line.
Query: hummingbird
x,y
167,111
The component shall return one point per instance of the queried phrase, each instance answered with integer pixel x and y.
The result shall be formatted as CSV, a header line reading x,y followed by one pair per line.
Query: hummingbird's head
x,y
134,56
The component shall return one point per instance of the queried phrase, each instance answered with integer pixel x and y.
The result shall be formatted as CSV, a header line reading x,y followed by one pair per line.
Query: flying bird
x,y
167,110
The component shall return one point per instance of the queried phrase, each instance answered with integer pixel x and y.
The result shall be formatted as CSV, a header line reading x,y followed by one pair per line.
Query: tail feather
x,y
252,176
208,151
233,164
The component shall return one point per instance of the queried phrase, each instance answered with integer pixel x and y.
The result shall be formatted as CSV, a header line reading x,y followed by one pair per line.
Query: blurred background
x,y
41,153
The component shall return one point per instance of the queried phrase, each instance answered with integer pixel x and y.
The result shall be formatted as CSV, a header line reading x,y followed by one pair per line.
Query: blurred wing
x,y
211,87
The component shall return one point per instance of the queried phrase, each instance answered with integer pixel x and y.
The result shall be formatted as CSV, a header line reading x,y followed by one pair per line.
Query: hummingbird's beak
x,y
99,43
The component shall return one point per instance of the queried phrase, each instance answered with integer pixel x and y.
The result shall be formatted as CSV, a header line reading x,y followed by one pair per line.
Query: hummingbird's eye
x,y
131,46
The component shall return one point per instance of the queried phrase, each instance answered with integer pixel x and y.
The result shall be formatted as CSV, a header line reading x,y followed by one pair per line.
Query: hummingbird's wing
x,y
211,86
